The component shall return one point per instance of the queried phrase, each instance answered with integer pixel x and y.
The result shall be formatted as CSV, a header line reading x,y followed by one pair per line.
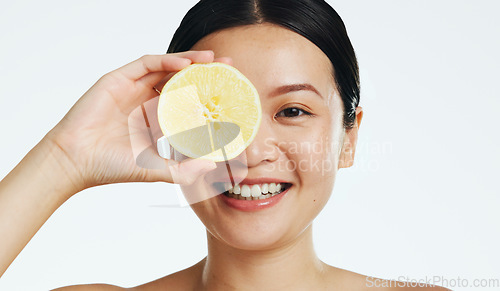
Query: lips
x,y
252,194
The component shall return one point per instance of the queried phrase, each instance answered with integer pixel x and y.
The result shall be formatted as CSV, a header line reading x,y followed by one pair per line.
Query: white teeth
x,y
256,191
245,191
253,192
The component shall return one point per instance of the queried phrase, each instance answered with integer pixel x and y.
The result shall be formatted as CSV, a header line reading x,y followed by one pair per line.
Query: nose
x,y
264,148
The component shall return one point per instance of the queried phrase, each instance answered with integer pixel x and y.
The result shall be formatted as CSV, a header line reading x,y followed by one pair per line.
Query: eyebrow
x,y
294,88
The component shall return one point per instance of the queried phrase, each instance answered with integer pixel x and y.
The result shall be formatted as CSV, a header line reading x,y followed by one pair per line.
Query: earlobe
x,y
359,116
346,158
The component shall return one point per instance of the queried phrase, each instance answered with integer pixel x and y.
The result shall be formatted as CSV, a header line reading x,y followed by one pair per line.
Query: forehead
x,y
270,56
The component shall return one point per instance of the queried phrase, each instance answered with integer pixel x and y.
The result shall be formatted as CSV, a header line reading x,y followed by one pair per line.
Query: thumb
x,y
157,169
188,171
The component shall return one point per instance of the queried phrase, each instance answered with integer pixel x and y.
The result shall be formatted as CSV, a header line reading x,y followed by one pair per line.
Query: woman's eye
x,y
292,112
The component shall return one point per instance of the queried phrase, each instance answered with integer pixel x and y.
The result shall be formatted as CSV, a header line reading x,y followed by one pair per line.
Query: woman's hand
x,y
92,145
95,136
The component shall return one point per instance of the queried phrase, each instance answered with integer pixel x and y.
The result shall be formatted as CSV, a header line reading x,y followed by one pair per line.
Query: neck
x,y
288,267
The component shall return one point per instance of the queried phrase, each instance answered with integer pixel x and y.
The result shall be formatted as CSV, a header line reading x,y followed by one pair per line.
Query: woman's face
x,y
299,140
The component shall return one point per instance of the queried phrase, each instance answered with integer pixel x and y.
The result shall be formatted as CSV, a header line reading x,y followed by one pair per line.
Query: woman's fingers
x,y
159,79
152,63
156,80
163,63
225,60
168,170
159,85
197,56
187,171
173,169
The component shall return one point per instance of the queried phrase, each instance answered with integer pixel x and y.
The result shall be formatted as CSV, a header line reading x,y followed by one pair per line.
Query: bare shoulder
x,y
347,280
186,279
91,287
175,281
182,280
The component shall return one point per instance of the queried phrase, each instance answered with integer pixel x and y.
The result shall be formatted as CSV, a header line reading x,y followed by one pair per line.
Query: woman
x,y
299,57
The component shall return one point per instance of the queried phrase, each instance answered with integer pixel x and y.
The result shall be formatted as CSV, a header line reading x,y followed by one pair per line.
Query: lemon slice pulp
x,y
209,110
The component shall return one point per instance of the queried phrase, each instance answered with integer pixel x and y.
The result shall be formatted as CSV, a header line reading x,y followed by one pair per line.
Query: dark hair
x,y
315,20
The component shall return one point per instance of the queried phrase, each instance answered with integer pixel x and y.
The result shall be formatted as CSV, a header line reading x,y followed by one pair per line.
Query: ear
x,y
346,158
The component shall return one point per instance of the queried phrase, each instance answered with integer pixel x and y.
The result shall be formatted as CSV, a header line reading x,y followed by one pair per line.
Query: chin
x,y
254,238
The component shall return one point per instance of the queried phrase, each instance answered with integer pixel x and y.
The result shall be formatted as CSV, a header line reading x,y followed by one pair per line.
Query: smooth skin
x,y
271,251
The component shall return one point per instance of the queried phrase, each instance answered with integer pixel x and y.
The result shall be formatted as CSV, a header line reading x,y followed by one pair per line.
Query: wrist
x,y
55,168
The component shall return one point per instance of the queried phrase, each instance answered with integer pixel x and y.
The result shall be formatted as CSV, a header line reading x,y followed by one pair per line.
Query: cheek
x,y
313,155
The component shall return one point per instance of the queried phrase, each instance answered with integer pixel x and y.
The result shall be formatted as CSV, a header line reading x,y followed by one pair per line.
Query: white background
x,y
421,201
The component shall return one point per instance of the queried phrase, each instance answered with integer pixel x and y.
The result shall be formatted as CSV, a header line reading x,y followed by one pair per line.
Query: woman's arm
x,y
96,143
29,195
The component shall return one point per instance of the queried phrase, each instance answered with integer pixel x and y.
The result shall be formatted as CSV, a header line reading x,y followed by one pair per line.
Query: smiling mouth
x,y
251,192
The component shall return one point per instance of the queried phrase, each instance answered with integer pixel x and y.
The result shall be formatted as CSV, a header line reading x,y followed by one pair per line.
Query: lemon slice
x,y
209,110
